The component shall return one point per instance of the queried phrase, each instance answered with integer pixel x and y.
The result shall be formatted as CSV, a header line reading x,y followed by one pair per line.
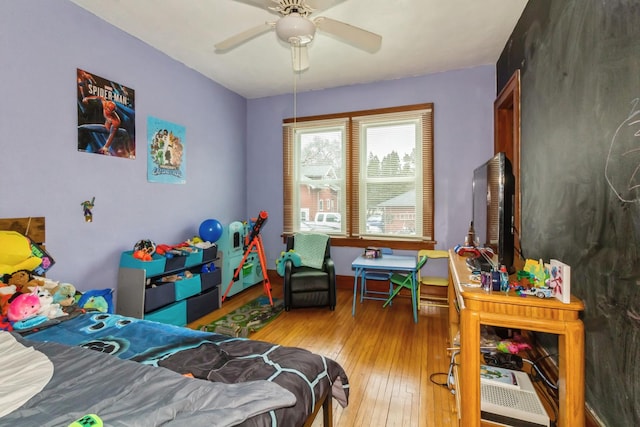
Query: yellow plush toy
x,y
15,253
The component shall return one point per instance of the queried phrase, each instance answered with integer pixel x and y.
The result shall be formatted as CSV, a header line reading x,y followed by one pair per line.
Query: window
x,y
371,170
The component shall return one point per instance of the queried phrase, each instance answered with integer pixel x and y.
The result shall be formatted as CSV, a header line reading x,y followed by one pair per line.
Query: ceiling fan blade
x,y
356,36
299,57
244,36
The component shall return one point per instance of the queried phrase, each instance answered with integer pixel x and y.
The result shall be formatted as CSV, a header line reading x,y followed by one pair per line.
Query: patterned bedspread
x,y
121,392
210,356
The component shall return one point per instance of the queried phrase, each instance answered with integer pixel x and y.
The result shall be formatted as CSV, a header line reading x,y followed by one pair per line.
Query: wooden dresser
x,y
469,307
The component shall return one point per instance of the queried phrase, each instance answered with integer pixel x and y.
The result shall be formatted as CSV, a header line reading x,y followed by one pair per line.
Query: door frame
x,y
506,118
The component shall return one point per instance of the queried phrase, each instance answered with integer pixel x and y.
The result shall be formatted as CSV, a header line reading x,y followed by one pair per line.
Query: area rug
x,y
247,319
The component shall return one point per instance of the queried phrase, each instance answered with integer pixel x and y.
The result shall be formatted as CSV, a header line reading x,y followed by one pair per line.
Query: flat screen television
x,y
493,208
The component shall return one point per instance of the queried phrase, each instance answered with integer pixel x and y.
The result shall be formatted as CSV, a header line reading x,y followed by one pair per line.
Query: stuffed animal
x,y
97,299
51,285
15,253
294,257
65,295
47,307
23,307
6,292
23,280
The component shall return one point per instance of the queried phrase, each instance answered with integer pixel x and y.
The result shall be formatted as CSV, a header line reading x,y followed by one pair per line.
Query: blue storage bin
x,y
174,262
210,280
202,304
186,288
193,258
174,314
159,295
154,267
210,254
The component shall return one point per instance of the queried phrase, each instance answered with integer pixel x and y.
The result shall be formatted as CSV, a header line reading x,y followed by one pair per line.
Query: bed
x,y
137,372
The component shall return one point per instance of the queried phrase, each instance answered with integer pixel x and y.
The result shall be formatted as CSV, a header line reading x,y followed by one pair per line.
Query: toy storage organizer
x,y
146,289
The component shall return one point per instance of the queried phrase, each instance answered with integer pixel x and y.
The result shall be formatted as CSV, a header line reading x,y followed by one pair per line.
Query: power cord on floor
x,y
449,383
434,375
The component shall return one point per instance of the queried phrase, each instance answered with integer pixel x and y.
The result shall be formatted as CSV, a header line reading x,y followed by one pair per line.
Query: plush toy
x,y
6,292
30,322
23,280
48,308
65,294
100,300
15,253
48,284
294,257
23,307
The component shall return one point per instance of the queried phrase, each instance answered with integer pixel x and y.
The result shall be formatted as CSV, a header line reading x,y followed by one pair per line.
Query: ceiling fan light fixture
x,y
295,27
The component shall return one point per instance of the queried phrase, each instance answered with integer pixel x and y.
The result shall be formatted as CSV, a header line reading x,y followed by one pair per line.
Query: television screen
x,y
493,197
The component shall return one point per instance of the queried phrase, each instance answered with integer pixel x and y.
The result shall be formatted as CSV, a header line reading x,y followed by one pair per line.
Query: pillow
x,y
20,381
97,299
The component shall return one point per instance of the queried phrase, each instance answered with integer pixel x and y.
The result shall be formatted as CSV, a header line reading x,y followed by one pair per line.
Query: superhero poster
x,y
106,117
166,159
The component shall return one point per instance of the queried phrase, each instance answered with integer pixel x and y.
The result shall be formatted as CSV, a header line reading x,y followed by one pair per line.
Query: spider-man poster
x,y
106,117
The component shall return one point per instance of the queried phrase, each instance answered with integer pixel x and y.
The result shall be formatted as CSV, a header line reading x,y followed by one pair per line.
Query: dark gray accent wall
x,y
580,171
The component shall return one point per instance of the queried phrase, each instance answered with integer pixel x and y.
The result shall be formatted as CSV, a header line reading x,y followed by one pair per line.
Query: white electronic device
x,y
509,399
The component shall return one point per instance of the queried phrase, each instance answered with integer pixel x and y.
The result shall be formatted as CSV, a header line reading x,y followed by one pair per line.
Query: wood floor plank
x,y
389,359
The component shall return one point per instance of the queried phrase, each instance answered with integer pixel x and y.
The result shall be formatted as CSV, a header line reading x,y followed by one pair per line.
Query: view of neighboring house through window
x,y
366,174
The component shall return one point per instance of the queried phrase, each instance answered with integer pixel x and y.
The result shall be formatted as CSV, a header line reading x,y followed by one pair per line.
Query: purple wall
x,y
463,103
234,146
41,45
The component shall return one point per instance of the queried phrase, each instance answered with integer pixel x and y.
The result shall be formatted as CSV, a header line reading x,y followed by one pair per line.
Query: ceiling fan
x,y
296,28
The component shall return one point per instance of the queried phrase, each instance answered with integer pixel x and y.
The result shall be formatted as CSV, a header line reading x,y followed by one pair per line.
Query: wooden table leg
x,y
571,375
469,368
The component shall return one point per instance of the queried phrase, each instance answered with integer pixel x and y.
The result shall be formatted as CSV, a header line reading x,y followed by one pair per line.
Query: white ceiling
x,y
418,37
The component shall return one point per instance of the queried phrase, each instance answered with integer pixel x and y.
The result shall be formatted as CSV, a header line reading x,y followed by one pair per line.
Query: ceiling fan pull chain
x,y
295,96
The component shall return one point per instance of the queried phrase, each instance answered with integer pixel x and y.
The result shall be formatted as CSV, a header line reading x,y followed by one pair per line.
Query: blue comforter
x,y
210,356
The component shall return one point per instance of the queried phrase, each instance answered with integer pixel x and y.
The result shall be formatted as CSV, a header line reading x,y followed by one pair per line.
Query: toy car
x,y
473,251
540,292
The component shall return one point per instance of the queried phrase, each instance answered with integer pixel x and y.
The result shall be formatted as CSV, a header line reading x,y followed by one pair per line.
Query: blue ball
x,y
210,230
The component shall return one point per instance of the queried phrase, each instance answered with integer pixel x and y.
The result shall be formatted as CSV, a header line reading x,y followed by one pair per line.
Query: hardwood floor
x,y
390,360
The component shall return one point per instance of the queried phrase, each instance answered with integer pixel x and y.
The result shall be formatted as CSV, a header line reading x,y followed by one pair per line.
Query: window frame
x,y
352,174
